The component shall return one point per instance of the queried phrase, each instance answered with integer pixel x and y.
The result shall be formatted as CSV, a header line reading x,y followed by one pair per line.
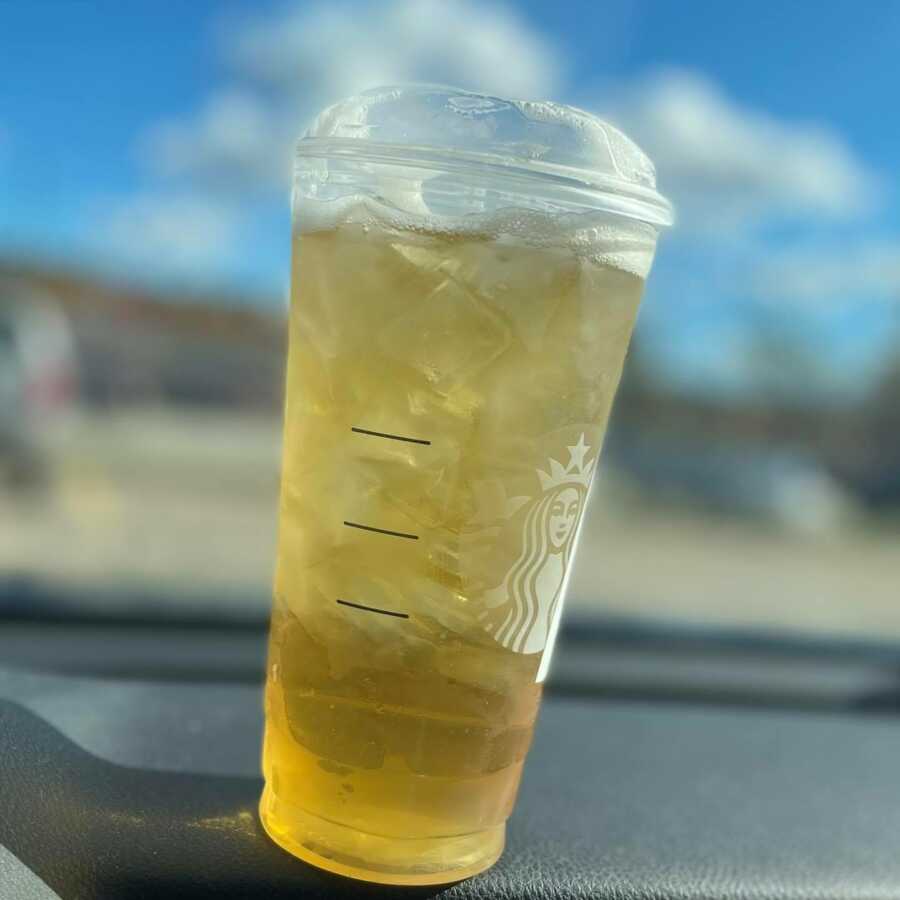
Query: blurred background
x,y
752,470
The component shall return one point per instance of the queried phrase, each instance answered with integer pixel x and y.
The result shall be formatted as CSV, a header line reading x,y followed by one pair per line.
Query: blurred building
x,y
766,457
136,347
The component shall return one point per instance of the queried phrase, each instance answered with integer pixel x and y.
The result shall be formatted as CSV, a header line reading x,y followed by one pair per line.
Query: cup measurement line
x,y
400,534
374,609
393,437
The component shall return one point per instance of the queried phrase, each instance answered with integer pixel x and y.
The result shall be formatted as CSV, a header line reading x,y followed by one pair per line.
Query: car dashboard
x,y
662,766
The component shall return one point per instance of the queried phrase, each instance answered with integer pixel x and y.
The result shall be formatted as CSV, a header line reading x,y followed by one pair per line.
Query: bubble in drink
x,y
448,388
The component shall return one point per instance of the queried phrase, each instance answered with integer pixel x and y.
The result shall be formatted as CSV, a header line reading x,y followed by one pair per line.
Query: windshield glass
x,y
751,473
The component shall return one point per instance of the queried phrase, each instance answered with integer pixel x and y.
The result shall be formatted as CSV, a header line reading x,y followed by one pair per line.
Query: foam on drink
x,y
621,244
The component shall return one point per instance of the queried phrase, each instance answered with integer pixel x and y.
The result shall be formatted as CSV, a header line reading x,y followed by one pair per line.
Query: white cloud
x,y
727,167
297,61
232,133
168,234
725,163
826,278
338,49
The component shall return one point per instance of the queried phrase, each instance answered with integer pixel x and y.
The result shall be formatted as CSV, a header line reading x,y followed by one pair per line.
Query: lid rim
x,y
650,206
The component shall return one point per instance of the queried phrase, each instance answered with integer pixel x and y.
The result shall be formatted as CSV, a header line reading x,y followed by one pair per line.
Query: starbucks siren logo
x,y
523,611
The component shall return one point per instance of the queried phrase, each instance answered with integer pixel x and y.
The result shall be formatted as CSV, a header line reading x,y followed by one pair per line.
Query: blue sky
x,y
148,140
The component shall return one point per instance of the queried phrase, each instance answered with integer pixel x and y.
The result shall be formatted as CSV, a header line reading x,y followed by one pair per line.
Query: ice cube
x,y
524,285
448,337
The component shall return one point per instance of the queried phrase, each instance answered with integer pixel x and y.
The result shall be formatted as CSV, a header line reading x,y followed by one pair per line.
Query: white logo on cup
x,y
523,610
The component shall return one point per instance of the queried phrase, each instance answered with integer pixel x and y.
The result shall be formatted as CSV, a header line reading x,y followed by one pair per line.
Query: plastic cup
x,y
467,271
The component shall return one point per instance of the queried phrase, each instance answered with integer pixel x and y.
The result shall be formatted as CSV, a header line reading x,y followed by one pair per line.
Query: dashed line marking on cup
x,y
374,609
393,437
400,534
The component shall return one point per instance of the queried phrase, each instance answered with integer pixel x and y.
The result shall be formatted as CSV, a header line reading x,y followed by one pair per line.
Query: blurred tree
x,y
781,359
881,482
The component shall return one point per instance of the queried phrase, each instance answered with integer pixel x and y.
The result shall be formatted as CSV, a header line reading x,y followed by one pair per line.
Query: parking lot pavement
x,y
189,504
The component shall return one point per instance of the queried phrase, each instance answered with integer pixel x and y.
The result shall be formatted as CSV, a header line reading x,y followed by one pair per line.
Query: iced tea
x,y
447,394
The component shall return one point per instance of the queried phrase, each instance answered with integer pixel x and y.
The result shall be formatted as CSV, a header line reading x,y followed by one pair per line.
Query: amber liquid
x,y
421,369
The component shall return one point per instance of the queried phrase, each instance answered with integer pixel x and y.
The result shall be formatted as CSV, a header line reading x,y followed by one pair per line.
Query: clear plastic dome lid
x,y
430,126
